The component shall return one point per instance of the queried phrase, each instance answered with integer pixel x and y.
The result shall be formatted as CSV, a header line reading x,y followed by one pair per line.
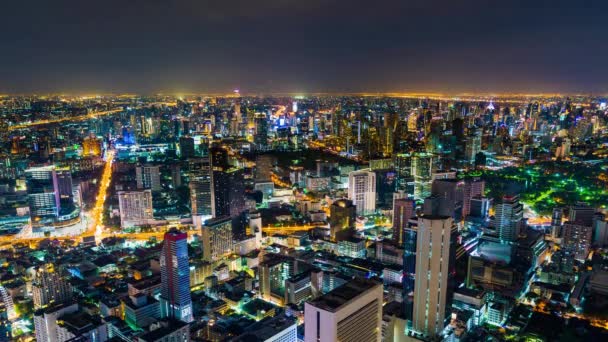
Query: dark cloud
x,y
314,45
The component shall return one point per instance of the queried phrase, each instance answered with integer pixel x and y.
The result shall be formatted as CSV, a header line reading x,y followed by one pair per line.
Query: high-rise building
x,y
577,239
50,287
472,147
581,213
351,312
362,191
140,310
403,210
261,132
147,126
65,186
263,168
135,208
451,190
410,242
556,223
50,195
343,214
228,190
148,177
220,159
432,273
186,147
403,168
600,230
480,207
176,176
472,188
201,190
175,299
508,218
274,271
45,321
217,238
438,205
422,166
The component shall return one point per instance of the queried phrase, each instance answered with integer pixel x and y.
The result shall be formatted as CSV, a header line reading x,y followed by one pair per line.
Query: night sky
x,y
259,46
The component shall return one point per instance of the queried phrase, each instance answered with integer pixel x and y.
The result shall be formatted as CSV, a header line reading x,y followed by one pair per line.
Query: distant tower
x,y
175,297
201,190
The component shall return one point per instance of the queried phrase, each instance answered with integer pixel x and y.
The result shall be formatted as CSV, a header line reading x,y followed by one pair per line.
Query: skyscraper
x,y
201,190
343,214
50,195
45,321
600,230
410,242
582,214
556,223
403,210
472,188
261,132
508,218
432,273
362,191
135,208
228,190
217,238
422,166
403,167
472,147
351,312
452,191
175,299
186,147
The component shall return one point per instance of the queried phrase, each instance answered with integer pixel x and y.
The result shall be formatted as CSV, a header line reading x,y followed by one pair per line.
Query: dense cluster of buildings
x,y
301,219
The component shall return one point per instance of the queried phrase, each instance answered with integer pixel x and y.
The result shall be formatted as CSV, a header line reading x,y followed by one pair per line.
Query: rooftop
x,y
342,295
267,328
154,335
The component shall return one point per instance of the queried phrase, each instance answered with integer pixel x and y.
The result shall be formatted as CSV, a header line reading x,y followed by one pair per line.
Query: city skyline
x,y
303,171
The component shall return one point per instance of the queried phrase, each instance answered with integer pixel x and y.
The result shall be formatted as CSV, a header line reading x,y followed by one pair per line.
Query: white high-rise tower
x,y
362,191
